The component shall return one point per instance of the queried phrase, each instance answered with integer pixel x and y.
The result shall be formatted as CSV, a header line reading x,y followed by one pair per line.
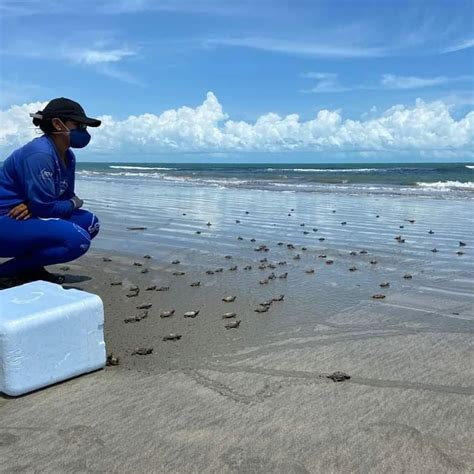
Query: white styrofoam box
x,y
48,334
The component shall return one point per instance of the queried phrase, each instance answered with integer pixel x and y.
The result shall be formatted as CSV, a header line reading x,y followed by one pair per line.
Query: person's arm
x,y
39,186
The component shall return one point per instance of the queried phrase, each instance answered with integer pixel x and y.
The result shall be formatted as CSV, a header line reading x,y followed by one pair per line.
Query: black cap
x,y
67,109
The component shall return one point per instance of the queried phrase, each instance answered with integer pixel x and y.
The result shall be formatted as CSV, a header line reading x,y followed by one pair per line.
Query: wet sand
x,y
255,398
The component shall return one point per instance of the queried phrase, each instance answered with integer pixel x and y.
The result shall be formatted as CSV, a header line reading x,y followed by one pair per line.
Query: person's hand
x,y
20,212
78,202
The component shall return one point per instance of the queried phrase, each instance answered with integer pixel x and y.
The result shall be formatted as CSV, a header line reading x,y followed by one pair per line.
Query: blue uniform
x,y
57,233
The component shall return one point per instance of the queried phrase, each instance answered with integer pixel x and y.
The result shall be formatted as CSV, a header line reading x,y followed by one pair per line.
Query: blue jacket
x,y
35,174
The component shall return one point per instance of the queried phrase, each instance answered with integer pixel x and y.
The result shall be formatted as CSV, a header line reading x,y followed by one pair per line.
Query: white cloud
x,y
329,82
306,48
422,127
91,56
464,44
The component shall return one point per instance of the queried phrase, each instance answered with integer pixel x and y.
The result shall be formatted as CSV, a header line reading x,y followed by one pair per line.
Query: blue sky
x,y
359,59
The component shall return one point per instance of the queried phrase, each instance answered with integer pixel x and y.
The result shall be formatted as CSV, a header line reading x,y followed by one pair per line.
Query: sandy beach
x,y
257,398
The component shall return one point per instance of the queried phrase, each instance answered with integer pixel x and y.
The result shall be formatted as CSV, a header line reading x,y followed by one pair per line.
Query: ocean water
x,y
447,179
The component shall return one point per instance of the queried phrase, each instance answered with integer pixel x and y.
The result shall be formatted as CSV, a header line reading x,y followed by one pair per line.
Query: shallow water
x,y
438,277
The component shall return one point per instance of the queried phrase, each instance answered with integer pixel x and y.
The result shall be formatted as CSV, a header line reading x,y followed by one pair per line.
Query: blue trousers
x,y
36,242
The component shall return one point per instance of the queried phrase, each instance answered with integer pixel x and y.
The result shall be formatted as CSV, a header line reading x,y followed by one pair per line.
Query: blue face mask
x,y
79,138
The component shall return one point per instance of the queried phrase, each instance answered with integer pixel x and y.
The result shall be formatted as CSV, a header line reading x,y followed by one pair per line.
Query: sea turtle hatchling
x,y
191,314
133,291
353,269
175,262
112,360
150,288
195,283
145,306
172,337
233,324
143,351
278,298
229,299
338,376
378,296
178,273
163,288
167,314
407,276
384,284
116,283
310,271
229,315
262,309
137,264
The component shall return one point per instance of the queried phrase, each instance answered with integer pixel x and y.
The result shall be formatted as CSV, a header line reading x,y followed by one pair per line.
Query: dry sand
x,y
256,398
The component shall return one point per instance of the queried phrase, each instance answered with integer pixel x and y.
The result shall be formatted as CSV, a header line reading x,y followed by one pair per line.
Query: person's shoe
x,y
42,274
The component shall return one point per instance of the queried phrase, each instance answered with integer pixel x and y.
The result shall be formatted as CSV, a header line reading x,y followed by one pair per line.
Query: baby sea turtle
x,y
280,244
178,273
229,315
462,244
266,303
263,282
262,309
136,228
378,296
310,271
247,212
191,314
233,269
278,298
208,224
240,238
353,269
237,221
262,267
143,351
402,227
305,232
384,284
106,259
435,250
175,262
329,262
363,252
209,272
321,239
218,270
133,291
271,265
248,267
460,252
229,299
303,248
283,262
115,283
145,306
163,288
253,240
343,223
198,232
283,275
137,264
195,283
263,260
145,270
233,324
430,232
314,229
147,256
272,276
374,262
302,224
150,288
352,252
172,337
228,257
407,276
411,221
112,360
297,257
290,246
338,377
167,314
